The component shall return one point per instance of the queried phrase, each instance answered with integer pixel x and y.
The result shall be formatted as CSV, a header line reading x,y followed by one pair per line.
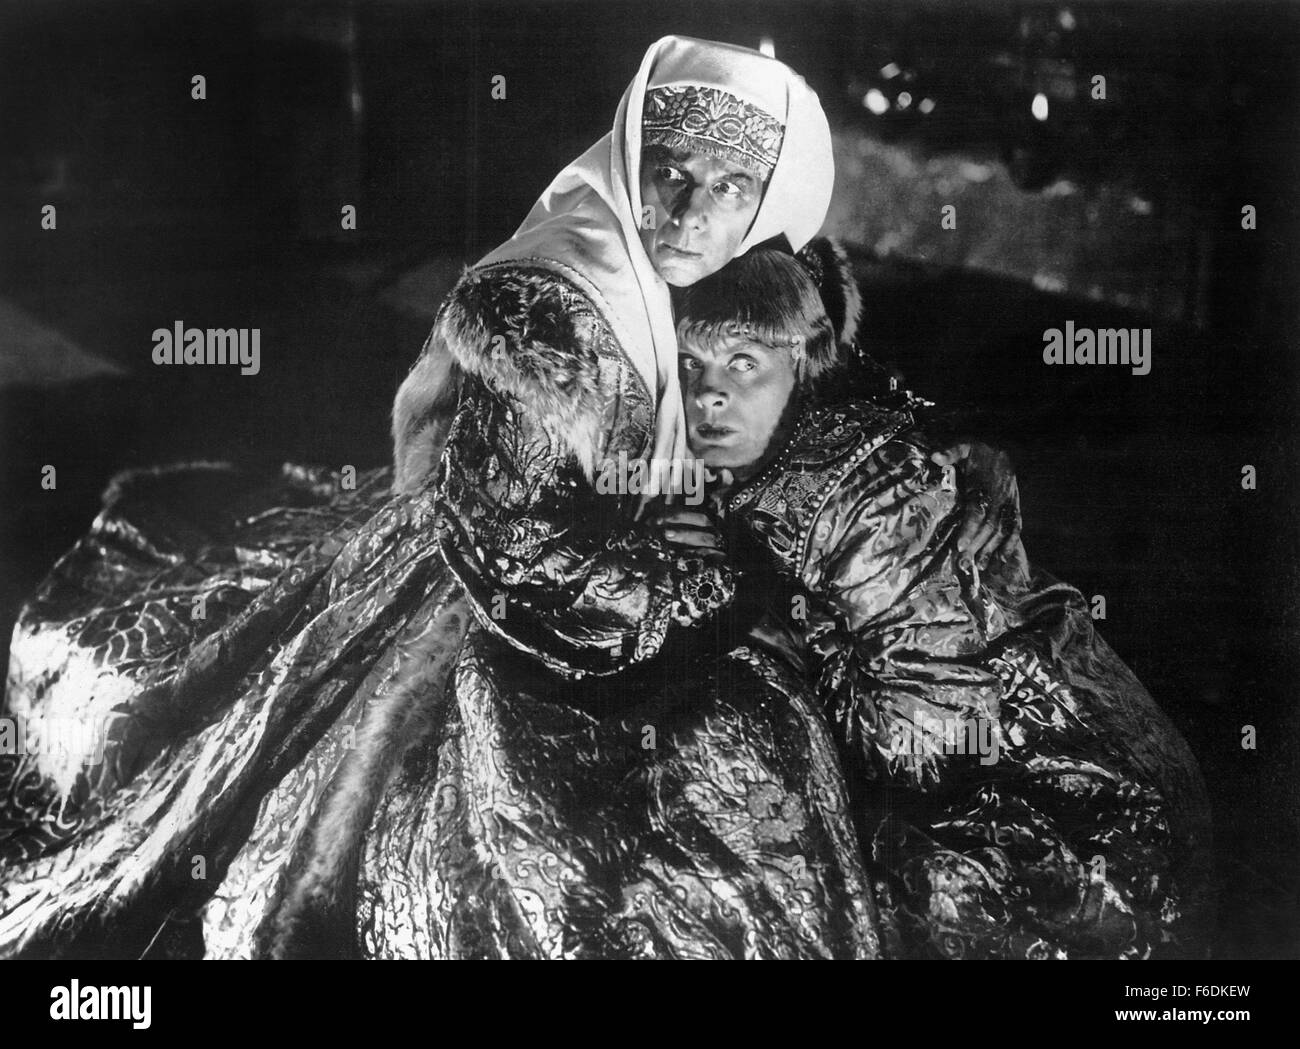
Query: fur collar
x,y
525,331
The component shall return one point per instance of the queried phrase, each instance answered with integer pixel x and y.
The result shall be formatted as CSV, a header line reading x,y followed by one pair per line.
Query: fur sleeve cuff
x,y
526,332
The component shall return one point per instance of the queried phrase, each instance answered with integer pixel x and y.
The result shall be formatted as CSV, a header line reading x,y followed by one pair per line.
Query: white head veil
x,y
585,225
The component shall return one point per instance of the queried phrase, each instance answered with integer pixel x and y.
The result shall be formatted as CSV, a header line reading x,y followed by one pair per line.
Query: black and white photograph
x,y
650,480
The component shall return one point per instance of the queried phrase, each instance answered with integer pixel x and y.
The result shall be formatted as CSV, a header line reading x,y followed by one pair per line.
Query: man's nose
x,y
708,394
689,207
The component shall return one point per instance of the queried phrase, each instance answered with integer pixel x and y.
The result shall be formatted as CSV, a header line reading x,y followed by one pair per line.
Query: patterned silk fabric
x,y
486,719
693,811
622,799
204,713
1087,835
497,717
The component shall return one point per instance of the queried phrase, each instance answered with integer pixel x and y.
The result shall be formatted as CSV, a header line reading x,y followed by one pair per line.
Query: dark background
x,y
1124,212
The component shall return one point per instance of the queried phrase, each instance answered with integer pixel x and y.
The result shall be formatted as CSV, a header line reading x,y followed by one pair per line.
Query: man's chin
x,y
680,273
719,459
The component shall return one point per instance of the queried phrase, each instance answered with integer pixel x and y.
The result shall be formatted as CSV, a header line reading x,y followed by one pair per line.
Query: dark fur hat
x,y
832,272
808,303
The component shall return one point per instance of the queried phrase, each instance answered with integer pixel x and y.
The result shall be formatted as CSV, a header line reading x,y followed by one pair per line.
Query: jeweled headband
x,y
709,120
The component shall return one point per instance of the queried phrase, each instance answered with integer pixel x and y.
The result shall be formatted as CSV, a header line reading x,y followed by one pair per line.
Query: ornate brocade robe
x,y
1081,827
472,716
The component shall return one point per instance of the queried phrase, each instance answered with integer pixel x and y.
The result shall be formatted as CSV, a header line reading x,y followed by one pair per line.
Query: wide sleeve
x,y
894,639
1039,803
549,553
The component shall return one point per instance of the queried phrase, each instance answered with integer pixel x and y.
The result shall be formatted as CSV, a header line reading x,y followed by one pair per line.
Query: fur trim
x,y
829,264
422,413
319,901
316,915
515,328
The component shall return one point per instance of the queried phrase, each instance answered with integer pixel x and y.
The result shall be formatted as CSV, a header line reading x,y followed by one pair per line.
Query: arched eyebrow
x,y
754,348
662,152
727,347
678,155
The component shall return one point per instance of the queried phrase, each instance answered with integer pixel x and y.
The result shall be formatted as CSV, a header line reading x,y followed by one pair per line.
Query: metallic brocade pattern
x,y
711,121
1088,834
405,693
348,753
554,567
198,736
706,821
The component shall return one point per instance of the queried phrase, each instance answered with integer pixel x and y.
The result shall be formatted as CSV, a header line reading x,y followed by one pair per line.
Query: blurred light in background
x,y
876,102
1039,106
904,99
767,46
926,105
890,71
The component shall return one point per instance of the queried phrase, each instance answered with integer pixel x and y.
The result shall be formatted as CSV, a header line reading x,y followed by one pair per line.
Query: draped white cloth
x,y
586,224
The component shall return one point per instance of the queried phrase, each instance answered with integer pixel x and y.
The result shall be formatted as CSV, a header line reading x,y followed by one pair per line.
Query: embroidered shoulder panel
x,y
782,505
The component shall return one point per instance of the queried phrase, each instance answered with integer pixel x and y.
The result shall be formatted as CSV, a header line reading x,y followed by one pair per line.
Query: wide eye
x,y
742,362
688,364
670,174
727,188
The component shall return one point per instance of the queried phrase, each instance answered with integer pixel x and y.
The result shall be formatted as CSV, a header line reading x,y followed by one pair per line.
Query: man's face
x,y
737,393
703,207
